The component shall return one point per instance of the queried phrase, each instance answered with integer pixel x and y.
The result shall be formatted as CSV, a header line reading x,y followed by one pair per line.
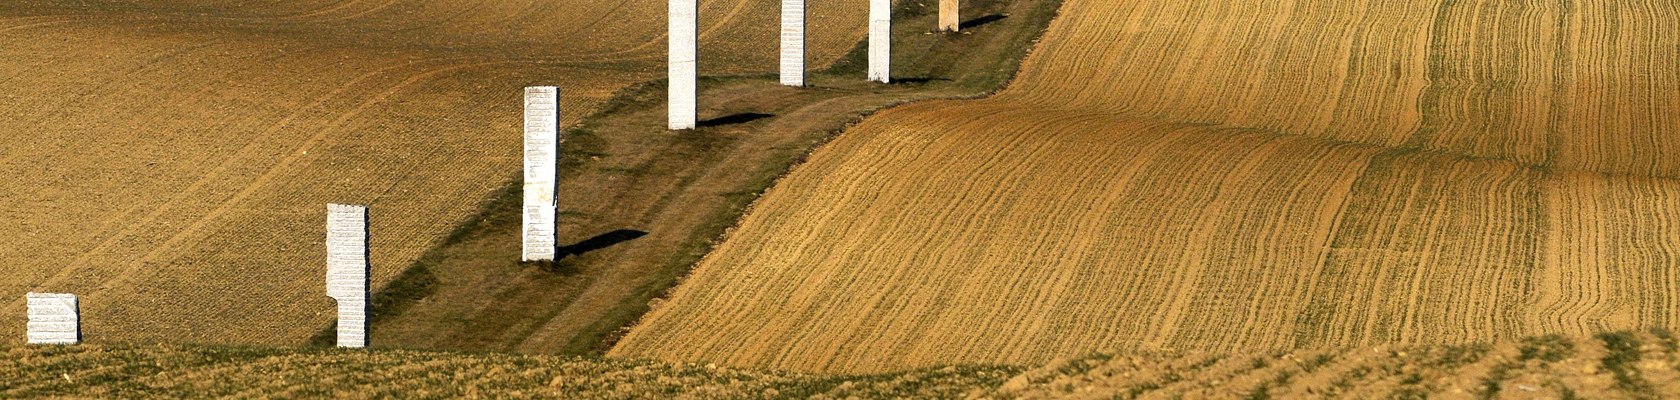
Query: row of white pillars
x,y
55,318
684,45
347,225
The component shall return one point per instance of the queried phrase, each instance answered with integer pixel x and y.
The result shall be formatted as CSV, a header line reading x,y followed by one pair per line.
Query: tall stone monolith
x,y
948,16
347,271
542,154
880,40
684,59
793,42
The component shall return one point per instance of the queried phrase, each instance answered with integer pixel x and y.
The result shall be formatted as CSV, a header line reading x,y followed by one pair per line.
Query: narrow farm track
x,y
169,160
1226,176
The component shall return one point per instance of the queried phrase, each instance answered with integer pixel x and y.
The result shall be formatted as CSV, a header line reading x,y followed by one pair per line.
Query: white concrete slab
x,y
54,318
542,155
684,60
347,271
880,40
793,42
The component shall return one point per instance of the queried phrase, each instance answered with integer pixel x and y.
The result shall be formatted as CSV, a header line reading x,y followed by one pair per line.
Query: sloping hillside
x,y
170,160
1227,176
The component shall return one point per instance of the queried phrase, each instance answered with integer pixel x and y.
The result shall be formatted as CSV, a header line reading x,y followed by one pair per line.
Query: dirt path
x,y
641,205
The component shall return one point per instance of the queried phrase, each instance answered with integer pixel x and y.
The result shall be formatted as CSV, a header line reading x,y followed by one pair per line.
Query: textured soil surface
x,y
170,160
1227,176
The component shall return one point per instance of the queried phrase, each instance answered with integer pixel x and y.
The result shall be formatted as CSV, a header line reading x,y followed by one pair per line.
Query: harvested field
x,y
1226,176
170,160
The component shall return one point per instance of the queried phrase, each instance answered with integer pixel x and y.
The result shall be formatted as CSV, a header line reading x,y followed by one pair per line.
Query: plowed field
x,y
1227,176
170,160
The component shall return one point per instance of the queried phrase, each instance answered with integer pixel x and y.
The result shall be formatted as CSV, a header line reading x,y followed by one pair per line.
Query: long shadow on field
x,y
971,24
601,241
916,80
733,119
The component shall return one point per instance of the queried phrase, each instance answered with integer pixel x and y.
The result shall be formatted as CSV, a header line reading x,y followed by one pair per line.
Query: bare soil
x,y
170,160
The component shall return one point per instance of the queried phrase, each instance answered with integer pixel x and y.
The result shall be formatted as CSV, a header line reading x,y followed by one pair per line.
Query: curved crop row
x,y
1227,176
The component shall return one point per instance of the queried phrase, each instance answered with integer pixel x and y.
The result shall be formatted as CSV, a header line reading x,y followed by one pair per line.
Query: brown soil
x,y
170,160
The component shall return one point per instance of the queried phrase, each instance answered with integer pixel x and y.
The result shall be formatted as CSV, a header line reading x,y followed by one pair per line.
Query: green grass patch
x,y
1621,356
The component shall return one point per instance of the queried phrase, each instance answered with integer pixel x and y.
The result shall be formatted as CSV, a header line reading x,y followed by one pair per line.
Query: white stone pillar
x,y
948,16
542,154
347,271
793,42
684,59
880,40
54,318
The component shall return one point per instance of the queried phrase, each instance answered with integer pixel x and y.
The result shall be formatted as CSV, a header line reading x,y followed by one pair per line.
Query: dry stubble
x,y
1226,176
